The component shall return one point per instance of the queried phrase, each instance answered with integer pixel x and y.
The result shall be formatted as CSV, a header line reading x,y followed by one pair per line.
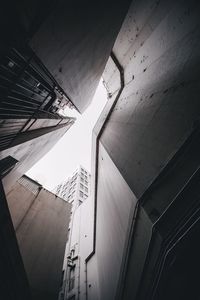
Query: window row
x,y
83,187
82,195
84,181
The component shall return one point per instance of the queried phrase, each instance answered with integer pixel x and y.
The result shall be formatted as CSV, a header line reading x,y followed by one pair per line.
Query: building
x,y
145,160
79,245
40,219
144,225
31,119
40,72
47,61
76,188
76,191
142,240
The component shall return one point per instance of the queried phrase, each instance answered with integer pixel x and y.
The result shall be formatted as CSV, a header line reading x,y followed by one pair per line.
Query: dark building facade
x,y
40,221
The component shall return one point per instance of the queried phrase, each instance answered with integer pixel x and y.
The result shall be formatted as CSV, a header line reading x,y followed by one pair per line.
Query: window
x,y
6,165
81,194
82,179
71,279
86,182
81,185
80,202
86,189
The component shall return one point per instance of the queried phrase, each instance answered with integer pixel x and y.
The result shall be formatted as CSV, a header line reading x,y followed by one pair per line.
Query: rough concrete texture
x,y
158,46
41,223
75,41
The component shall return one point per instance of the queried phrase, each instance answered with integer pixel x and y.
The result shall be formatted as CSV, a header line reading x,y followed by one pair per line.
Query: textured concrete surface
x,y
75,41
115,206
41,223
158,48
14,283
28,153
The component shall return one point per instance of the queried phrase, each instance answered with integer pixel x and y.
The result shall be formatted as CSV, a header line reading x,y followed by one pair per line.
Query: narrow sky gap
x,y
73,149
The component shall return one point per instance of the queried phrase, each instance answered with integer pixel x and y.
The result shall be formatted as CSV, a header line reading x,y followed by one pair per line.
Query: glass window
x,y
81,194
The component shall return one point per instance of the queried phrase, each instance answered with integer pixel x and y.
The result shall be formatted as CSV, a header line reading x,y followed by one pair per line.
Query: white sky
x,y
73,148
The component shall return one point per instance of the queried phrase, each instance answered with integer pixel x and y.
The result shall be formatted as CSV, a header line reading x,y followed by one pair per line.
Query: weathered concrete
x,y
158,48
75,41
13,279
41,221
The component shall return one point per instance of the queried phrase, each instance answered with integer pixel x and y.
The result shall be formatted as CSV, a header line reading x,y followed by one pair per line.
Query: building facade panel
x,y
40,221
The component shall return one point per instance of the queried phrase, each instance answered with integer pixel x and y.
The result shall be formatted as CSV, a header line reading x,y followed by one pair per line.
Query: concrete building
x,y
45,65
146,161
47,59
78,247
144,224
40,219
142,242
75,190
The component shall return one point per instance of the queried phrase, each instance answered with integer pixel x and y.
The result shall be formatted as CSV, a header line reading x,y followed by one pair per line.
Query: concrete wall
x,y
115,207
13,279
41,223
98,279
75,41
28,153
158,49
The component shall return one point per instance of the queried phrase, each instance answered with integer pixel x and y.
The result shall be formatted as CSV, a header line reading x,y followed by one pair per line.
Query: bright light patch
x,y
73,148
